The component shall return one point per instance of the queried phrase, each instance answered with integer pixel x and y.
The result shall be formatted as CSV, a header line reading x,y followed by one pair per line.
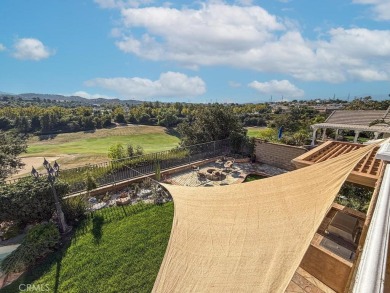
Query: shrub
x,y
237,141
139,150
355,197
286,139
130,150
74,209
9,230
116,152
39,241
29,200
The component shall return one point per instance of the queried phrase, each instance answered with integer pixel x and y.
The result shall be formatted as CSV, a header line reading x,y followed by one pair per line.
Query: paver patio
x,y
236,174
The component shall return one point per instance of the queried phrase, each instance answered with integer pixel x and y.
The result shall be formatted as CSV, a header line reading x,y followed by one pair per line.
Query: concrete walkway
x,y
6,250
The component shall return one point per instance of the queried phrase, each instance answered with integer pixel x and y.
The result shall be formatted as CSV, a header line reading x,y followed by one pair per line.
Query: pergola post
x,y
336,136
356,136
323,133
313,139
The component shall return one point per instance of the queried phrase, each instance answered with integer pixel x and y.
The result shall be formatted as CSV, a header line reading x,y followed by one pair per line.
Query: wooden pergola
x,y
366,172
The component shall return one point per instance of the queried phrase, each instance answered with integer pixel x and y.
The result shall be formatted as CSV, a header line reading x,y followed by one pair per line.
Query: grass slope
x,y
120,256
255,131
151,138
81,148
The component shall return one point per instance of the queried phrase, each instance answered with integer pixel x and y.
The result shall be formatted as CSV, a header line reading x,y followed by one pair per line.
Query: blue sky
x,y
193,51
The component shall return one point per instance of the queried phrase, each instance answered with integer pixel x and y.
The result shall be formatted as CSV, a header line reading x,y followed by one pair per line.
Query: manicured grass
x,y
151,138
255,131
81,148
120,256
152,142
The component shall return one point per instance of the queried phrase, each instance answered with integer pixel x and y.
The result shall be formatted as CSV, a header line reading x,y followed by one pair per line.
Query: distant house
x,y
328,108
356,120
280,108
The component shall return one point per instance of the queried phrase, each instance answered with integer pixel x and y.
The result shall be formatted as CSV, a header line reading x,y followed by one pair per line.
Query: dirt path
x,y
66,161
33,161
36,162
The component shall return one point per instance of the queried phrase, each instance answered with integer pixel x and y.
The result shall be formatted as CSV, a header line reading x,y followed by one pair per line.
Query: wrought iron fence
x,y
124,169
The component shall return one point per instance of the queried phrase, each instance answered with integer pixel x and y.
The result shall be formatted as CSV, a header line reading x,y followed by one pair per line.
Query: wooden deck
x,y
323,269
303,282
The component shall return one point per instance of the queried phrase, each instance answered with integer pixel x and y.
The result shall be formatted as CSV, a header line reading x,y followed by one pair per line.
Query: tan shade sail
x,y
249,237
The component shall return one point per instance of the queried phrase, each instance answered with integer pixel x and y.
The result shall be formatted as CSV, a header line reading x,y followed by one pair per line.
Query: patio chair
x,y
201,175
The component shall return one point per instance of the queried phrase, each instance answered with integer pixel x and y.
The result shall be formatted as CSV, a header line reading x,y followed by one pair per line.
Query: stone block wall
x,y
278,155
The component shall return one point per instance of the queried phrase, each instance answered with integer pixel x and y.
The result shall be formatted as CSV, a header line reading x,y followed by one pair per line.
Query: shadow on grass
x,y
42,267
97,231
47,136
89,131
173,132
57,278
91,224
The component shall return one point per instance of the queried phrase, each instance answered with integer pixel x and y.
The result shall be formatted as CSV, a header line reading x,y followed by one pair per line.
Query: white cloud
x,y
249,37
91,96
31,49
2,47
380,8
277,88
210,35
170,84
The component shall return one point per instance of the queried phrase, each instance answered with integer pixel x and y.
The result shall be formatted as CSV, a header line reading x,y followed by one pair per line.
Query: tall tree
x,y
5,123
11,145
213,122
35,123
45,123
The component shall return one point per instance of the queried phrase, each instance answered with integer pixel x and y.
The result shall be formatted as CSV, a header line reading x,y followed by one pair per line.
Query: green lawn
x,y
123,255
151,142
81,148
256,131
151,138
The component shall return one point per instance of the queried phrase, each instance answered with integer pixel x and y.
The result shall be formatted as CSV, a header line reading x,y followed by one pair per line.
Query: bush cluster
x,y
39,241
355,197
74,209
29,200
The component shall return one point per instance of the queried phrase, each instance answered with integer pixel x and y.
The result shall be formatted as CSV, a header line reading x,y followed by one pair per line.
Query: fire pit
x,y
215,174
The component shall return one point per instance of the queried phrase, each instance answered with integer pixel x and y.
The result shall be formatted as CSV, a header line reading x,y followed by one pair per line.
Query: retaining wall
x,y
278,155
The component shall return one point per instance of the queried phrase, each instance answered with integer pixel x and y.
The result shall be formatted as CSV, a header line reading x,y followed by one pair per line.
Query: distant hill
x,y
30,96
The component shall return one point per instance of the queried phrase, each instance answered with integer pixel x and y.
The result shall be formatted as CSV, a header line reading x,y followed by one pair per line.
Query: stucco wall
x,y
278,155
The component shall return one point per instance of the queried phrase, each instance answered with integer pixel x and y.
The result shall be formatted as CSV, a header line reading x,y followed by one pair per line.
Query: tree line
x,y
38,119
